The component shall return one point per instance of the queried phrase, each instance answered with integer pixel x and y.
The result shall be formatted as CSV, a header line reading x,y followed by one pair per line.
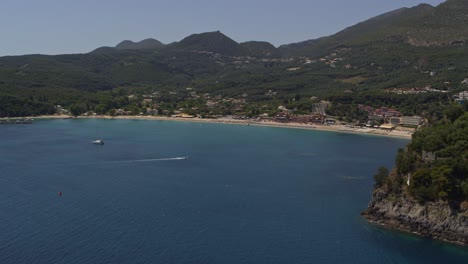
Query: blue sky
x,y
77,26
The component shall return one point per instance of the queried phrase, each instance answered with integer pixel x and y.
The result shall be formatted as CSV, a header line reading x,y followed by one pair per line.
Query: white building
x,y
411,120
463,95
395,120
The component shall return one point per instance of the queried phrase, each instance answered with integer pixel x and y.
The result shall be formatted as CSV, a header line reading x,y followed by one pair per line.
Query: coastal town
x,y
204,107
189,105
381,121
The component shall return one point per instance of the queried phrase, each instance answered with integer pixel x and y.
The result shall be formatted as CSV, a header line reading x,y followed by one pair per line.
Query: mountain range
x,y
215,42
395,49
422,25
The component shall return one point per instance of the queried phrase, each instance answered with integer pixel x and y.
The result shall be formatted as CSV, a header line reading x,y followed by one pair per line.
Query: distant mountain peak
x,y
260,48
149,43
214,41
424,5
213,35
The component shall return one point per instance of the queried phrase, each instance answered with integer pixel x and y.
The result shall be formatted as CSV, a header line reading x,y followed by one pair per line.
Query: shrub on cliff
x,y
432,184
381,177
395,182
405,161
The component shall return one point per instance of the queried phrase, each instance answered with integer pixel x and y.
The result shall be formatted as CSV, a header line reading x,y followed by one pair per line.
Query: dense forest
x,y
12,107
436,162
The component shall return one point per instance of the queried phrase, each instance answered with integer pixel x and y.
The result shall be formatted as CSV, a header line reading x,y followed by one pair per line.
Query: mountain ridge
x,y
214,41
149,43
422,25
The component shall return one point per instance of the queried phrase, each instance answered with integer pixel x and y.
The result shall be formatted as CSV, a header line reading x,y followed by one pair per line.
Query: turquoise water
x,y
245,195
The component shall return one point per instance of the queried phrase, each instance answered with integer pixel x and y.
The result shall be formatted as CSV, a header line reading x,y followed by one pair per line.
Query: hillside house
x,y
317,119
282,117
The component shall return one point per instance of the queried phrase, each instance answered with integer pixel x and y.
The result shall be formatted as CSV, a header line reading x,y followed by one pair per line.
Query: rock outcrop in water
x,y
436,220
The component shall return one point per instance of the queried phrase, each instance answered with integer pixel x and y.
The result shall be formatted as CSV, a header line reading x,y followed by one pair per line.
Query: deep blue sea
x,y
245,195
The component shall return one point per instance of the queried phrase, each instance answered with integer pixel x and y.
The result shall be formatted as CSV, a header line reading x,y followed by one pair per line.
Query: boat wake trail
x,y
151,160
147,160
136,161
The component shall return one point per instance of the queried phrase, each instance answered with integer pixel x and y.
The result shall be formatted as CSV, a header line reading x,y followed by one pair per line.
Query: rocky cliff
x,y
433,219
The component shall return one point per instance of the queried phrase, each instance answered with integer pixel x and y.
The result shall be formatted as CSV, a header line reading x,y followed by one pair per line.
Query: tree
x,y
395,182
464,188
433,142
404,161
421,186
453,112
381,176
100,109
440,180
112,112
76,110
134,109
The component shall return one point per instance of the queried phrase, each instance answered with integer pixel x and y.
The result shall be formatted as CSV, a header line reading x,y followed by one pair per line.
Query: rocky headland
x,y
437,220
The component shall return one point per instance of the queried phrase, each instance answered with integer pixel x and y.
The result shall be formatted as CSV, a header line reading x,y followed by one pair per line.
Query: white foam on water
x,y
148,160
162,159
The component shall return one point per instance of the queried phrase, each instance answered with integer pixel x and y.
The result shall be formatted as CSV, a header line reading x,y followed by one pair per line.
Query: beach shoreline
x,y
326,128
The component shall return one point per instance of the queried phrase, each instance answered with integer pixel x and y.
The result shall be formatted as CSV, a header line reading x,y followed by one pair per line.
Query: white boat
x,y
98,142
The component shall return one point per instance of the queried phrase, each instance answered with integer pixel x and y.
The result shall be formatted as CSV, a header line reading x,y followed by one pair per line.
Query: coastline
x,y
328,128
392,227
435,220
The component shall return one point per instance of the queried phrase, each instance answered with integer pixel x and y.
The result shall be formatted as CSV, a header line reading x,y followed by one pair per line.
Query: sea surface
x,y
245,195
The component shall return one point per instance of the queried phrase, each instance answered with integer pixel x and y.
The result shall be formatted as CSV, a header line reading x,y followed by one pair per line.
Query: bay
x,y
245,195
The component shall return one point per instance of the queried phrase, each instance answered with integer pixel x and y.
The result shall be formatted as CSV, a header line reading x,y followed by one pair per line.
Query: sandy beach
x,y
330,128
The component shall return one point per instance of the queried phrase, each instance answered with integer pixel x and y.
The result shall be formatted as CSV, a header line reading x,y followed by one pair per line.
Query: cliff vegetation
x,y
427,191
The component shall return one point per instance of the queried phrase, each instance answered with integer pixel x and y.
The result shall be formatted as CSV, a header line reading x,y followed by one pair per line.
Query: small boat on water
x,y
98,142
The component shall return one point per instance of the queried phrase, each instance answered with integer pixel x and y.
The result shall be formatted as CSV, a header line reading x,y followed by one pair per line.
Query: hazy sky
x,y
77,26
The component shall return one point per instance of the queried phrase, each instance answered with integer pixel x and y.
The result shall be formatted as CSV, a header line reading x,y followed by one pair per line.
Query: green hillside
x,y
422,25
370,58
260,49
